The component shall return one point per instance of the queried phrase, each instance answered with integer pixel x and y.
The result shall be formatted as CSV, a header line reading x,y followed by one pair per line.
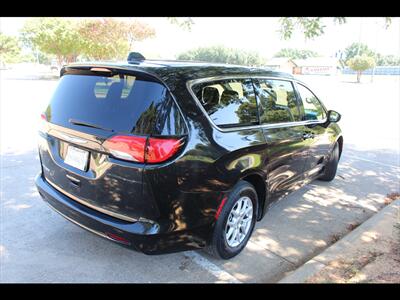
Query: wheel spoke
x,y
230,232
235,234
232,222
248,210
237,238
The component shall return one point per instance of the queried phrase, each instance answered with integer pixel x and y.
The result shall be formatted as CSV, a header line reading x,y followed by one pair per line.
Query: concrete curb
x,y
384,219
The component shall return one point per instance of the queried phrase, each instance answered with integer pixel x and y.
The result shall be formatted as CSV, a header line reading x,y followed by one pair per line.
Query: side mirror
x,y
334,116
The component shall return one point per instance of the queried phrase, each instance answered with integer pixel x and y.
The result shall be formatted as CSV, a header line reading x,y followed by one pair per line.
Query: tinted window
x,y
313,109
277,101
229,102
122,103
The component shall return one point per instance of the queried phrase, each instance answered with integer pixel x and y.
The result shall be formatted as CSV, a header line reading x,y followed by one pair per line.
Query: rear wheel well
x,y
259,184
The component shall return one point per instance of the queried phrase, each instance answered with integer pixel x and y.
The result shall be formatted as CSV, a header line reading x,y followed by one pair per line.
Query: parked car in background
x,y
54,66
164,156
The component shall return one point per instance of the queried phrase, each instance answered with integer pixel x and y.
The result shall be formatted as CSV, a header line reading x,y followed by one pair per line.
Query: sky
x,y
258,34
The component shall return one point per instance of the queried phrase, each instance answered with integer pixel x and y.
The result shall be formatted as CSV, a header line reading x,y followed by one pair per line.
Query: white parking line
x,y
372,161
212,268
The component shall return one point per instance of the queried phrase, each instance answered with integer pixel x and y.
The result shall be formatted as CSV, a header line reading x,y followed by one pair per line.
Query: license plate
x,y
77,158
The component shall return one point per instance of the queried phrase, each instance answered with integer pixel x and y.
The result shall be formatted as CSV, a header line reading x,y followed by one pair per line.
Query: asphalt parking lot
x,y
38,245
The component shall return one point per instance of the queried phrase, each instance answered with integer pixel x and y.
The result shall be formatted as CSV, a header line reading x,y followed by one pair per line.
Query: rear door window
x,y
122,103
229,103
278,102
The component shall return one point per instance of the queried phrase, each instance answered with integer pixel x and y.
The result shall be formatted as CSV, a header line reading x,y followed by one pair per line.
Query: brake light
x,y
127,147
142,149
159,150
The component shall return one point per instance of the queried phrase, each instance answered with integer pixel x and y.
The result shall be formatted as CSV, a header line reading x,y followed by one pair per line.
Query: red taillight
x,y
159,150
127,147
142,149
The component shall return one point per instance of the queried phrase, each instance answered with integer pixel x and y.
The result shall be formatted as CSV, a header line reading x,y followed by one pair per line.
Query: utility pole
x,y
359,36
376,51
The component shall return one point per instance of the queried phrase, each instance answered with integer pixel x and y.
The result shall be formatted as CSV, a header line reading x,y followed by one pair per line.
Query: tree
x,y
98,39
361,63
184,23
103,39
108,38
357,49
137,31
9,49
221,54
311,27
295,53
387,60
57,36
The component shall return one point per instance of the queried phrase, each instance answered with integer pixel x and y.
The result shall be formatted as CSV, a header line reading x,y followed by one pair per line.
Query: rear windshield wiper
x,y
82,123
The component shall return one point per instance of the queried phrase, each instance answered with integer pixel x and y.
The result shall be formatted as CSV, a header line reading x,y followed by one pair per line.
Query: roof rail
x,y
135,56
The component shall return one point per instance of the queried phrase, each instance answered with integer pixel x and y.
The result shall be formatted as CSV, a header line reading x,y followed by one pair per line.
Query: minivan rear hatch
x,y
100,129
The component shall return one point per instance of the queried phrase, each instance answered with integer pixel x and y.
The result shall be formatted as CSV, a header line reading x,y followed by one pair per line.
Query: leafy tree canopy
x,y
221,54
387,60
357,49
362,49
293,53
100,39
58,36
361,63
9,48
311,27
184,23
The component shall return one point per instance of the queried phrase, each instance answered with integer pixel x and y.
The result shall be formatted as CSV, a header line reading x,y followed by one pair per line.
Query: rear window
x,y
123,103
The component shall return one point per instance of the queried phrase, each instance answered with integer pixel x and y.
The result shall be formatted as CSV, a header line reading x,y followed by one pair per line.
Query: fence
x,y
380,70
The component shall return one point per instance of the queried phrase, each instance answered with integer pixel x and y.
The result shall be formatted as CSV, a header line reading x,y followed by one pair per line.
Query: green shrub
x,y
221,54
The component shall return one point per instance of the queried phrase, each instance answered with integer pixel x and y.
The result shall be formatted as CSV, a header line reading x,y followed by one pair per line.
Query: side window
x,y
229,102
313,109
277,101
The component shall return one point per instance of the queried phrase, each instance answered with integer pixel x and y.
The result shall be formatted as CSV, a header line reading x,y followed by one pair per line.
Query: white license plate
x,y
77,158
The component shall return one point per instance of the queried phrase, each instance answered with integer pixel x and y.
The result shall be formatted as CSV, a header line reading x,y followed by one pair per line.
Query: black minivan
x,y
165,156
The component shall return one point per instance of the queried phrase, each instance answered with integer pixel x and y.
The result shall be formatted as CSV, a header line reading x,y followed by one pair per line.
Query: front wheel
x,y
236,222
331,166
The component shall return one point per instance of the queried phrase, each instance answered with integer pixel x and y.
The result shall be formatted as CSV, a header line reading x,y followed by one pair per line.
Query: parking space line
x,y
372,161
212,268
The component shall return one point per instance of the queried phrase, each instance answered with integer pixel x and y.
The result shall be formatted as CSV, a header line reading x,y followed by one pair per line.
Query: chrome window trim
x,y
191,83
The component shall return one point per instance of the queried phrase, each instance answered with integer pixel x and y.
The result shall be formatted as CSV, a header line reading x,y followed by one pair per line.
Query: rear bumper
x,y
141,236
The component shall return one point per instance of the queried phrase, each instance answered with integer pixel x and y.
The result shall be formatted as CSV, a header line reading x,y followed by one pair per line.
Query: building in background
x,y
282,64
317,66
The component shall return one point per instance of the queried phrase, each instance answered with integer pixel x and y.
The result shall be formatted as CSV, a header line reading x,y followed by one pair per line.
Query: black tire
x,y
331,166
219,247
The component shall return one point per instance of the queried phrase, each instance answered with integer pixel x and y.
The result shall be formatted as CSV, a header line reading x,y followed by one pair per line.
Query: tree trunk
x,y
358,76
59,60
